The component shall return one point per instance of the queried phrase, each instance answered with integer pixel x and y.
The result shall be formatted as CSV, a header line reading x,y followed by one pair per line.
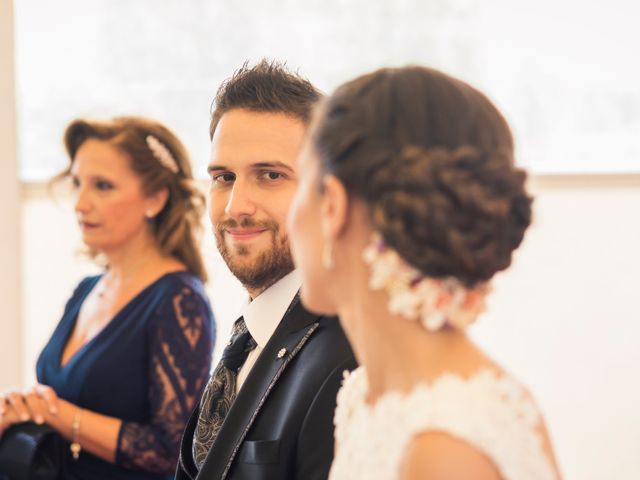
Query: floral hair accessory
x,y
162,154
435,302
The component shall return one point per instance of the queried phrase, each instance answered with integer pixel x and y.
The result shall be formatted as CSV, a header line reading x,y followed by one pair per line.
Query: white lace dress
x,y
491,413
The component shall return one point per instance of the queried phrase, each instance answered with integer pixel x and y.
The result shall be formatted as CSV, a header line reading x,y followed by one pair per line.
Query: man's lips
x,y
244,233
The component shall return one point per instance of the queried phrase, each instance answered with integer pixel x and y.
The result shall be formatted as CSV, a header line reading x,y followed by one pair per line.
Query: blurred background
x,y
564,319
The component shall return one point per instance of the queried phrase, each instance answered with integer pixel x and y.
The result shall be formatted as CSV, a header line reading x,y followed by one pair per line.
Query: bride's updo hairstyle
x,y
433,159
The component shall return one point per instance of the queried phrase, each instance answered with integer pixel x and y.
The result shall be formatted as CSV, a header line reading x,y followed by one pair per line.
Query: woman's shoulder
x,y
182,321
180,281
181,295
183,278
83,287
437,455
88,281
487,414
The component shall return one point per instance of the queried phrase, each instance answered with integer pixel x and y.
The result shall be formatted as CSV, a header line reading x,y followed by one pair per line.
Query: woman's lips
x,y
84,224
245,233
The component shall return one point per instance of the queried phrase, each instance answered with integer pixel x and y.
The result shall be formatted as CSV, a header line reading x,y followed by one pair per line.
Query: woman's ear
x,y
334,211
156,201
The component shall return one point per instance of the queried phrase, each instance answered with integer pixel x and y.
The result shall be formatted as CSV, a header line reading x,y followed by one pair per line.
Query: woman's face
x,y
109,202
304,225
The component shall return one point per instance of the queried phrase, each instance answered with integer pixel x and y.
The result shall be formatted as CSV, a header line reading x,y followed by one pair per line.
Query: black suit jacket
x,y
280,425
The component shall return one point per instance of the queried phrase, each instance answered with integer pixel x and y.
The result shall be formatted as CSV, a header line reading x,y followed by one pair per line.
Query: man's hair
x,y
267,87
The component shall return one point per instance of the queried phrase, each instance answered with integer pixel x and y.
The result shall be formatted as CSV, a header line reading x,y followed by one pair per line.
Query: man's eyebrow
x,y
275,164
215,168
261,165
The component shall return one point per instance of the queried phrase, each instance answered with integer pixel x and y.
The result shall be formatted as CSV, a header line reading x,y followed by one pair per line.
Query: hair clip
x,y
162,154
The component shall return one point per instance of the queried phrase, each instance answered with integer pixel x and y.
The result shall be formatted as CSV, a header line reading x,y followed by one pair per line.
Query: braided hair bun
x,y
433,159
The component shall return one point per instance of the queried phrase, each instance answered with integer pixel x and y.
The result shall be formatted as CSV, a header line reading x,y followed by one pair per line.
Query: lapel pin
x,y
282,352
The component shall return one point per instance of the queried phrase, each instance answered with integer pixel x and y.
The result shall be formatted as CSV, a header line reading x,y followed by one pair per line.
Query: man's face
x,y
253,180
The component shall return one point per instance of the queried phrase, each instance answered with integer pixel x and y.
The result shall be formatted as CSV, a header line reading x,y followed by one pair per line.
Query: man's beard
x,y
268,267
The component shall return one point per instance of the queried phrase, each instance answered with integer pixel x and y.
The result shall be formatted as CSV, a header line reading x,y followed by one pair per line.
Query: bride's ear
x,y
334,212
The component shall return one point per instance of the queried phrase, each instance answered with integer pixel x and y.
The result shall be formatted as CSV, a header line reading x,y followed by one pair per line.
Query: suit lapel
x,y
288,339
186,467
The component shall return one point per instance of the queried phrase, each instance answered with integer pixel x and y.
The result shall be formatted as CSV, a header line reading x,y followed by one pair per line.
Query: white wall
x,y
563,319
10,328
567,115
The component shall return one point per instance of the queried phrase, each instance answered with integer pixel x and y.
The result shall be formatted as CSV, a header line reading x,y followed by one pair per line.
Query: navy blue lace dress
x,y
148,367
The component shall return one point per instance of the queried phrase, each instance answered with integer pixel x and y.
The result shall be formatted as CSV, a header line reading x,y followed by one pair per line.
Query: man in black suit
x,y
267,412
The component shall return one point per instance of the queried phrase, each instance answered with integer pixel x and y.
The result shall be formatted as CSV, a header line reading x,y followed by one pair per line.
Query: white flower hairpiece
x,y
436,302
162,154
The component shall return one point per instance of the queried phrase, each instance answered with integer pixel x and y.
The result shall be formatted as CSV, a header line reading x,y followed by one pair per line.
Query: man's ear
x,y
156,201
334,212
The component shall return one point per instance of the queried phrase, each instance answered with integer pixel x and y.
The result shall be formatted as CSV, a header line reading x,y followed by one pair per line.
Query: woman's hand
x,y
7,418
42,402
8,415
97,433
37,404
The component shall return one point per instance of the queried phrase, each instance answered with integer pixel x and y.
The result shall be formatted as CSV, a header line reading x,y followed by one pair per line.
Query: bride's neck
x,y
399,352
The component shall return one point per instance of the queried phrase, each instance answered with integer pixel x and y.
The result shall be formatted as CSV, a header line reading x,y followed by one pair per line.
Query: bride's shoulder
x,y
436,455
493,427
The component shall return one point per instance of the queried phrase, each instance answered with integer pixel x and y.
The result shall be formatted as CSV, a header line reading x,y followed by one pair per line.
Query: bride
x,y
409,202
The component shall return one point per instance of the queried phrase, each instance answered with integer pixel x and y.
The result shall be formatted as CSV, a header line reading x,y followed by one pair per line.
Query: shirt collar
x,y
264,313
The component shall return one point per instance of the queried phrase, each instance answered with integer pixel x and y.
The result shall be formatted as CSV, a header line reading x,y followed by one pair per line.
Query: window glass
x,y
564,72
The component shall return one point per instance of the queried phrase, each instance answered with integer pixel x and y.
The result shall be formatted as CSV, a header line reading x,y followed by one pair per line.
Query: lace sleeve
x,y
180,359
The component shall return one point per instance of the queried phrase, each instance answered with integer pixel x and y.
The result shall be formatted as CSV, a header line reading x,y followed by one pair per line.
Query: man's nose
x,y
241,202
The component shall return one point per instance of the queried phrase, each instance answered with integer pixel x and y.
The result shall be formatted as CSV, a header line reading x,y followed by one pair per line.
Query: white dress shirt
x,y
263,314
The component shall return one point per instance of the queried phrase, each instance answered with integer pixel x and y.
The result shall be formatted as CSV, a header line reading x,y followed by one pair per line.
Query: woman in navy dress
x,y
128,361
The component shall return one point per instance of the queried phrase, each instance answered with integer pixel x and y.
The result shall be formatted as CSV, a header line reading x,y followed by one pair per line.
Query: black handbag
x,y
31,452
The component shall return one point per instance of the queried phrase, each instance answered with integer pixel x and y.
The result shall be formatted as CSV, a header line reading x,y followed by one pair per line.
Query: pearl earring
x,y
327,256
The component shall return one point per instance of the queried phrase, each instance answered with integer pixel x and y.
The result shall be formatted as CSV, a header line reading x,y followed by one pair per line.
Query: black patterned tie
x,y
220,392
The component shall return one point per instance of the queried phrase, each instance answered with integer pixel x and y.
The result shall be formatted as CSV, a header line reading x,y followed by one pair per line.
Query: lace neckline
x,y
487,409
360,384
65,360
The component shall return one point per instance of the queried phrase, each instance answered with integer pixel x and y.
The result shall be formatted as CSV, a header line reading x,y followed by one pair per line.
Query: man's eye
x,y
223,178
269,175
